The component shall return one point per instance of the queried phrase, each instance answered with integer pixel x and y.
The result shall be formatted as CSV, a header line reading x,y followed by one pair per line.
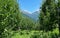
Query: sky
x,y
30,5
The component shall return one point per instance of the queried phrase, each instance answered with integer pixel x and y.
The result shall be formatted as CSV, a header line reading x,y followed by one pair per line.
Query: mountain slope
x,y
33,16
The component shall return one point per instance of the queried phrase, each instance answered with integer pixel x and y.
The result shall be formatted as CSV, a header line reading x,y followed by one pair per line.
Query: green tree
x,y
9,15
48,15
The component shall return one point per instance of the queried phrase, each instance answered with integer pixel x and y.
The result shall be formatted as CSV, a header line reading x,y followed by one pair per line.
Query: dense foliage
x,y
9,15
13,22
58,15
11,19
35,34
48,16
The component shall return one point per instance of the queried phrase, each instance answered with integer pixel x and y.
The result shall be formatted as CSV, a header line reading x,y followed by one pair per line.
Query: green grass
x,y
23,34
35,34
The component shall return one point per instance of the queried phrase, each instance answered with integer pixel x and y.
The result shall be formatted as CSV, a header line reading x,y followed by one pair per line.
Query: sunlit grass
x,y
28,33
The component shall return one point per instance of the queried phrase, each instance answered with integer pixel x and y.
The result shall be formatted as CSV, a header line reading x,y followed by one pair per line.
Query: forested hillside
x,y
15,23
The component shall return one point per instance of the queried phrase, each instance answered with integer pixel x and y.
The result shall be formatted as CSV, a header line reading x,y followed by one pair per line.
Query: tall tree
x,y
9,15
48,15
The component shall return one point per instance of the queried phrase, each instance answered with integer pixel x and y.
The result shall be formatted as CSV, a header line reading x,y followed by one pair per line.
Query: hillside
x,y
33,16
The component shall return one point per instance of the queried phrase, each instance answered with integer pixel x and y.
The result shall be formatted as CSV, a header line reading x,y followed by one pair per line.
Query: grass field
x,y
35,34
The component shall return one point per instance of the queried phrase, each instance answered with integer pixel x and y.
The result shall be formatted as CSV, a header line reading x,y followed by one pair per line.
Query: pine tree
x,y
48,15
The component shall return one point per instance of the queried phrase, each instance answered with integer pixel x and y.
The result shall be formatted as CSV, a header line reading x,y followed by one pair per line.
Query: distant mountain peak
x,y
33,15
26,11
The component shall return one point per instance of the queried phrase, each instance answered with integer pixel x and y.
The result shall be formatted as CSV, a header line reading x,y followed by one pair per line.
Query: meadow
x,y
34,34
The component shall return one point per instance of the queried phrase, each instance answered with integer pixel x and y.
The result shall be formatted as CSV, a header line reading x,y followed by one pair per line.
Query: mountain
x,y
26,13
33,16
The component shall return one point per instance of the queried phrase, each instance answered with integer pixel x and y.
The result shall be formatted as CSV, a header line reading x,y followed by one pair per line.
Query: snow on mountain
x,y
33,15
